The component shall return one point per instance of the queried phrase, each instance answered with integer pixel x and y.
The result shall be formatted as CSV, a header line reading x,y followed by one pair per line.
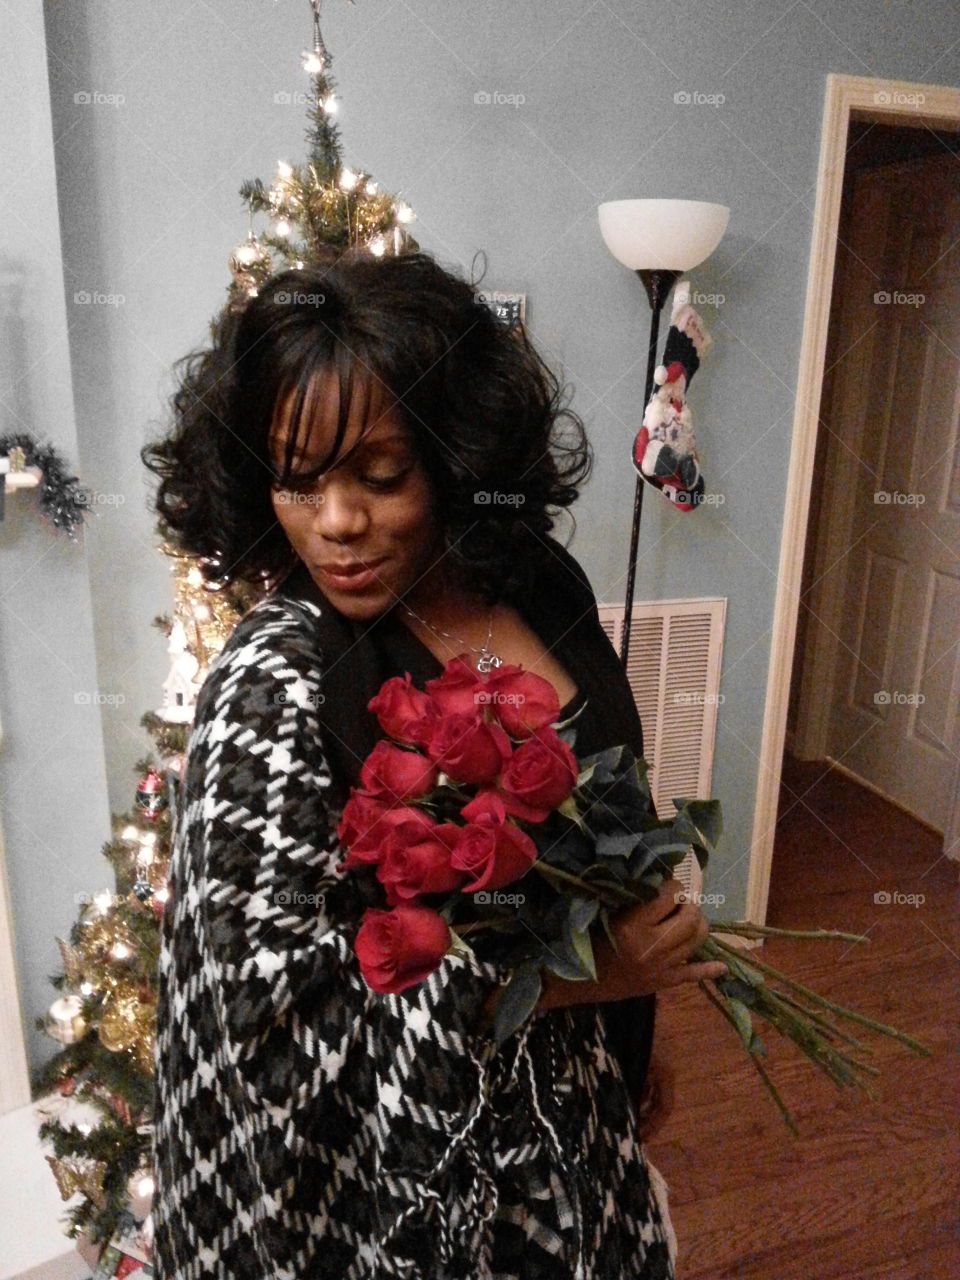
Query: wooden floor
x,y
870,1189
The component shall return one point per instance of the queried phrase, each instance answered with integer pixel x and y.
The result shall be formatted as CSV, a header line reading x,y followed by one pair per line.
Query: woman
x,y
365,438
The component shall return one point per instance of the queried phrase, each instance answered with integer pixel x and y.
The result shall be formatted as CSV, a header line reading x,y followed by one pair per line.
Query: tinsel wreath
x,y
62,498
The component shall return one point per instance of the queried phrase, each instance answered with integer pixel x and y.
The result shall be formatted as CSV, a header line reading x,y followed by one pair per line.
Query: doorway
x,y
864,666
874,683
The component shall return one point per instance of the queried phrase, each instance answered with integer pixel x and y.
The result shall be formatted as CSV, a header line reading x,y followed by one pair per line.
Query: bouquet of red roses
x,y
476,817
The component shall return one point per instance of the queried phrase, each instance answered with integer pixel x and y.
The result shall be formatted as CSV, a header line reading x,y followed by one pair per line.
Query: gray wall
x,y
147,191
53,789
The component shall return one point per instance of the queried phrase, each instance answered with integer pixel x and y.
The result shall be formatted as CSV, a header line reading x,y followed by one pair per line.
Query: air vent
x,y
674,672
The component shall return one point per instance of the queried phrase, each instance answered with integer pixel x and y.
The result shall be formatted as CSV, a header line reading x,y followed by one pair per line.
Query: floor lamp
x,y
658,239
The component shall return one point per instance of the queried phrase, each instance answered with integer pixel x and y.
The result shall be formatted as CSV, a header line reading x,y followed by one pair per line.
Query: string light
x,y
348,180
331,106
313,61
403,211
120,951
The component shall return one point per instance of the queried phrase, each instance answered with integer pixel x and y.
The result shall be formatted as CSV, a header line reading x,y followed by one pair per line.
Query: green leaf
x,y
569,810
517,1001
583,912
586,773
744,1024
583,945
699,821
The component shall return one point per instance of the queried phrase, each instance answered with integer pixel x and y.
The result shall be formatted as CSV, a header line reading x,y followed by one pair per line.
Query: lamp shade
x,y
662,235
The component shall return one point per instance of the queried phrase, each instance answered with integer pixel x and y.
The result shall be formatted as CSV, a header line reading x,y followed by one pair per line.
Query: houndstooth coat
x,y
308,1127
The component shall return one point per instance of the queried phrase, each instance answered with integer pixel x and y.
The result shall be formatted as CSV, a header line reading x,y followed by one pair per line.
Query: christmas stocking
x,y
665,450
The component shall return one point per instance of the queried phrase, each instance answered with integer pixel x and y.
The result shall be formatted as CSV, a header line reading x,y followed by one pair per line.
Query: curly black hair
x,y
487,416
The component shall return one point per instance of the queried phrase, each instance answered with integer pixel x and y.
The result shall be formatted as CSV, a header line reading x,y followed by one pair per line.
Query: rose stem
x,y
839,1009
747,930
771,1087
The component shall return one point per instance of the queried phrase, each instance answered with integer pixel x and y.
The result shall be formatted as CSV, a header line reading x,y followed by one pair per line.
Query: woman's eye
x,y
384,481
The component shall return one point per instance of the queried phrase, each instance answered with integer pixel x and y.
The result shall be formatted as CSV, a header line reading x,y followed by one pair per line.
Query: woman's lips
x,y
354,577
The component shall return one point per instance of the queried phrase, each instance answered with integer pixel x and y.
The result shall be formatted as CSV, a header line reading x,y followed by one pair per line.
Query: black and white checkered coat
x,y
308,1127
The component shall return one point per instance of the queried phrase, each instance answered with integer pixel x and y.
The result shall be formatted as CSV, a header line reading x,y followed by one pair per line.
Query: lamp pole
x,y
658,285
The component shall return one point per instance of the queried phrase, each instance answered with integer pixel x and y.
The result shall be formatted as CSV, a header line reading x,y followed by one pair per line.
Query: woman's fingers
x,y
703,969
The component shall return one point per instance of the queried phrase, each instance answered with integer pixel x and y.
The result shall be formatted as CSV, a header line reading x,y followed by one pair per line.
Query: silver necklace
x,y
487,661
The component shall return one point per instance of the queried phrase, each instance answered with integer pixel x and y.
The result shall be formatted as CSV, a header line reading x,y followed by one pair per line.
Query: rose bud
x,y
416,861
492,853
540,775
396,775
367,821
521,701
455,692
468,748
399,948
401,708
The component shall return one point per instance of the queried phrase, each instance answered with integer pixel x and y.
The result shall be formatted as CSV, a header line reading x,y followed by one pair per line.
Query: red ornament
x,y
67,1085
151,798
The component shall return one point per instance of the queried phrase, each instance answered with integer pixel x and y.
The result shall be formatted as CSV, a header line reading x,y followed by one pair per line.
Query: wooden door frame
x,y
894,102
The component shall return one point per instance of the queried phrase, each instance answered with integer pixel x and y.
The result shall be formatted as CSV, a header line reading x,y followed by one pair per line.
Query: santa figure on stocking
x,y
665,450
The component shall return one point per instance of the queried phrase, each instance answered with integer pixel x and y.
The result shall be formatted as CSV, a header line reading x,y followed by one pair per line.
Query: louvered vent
x,y
674,672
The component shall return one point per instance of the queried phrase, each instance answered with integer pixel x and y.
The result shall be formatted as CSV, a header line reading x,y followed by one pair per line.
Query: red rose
x,y
455,692
399,948
468,748
492,853
401,708
367,821
416,860
540,775
521,701
396,775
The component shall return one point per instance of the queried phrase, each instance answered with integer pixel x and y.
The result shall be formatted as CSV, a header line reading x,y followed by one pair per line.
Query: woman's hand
x,y
655,941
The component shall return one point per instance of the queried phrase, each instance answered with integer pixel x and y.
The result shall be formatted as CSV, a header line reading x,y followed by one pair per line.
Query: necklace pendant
x,y
488,661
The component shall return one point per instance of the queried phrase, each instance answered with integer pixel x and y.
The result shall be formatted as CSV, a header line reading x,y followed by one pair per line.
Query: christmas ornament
x,y
250,263
65,1022
151,797
665,450
179,689
72,1175
119,1023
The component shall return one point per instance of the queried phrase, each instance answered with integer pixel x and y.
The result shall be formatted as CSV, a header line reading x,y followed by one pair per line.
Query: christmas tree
x,y
99,1112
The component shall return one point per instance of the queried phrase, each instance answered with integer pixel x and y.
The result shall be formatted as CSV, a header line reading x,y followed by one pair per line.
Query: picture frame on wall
x,y
509,308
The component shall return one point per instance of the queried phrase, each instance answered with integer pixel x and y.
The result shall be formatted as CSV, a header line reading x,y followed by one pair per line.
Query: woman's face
x,y
365,528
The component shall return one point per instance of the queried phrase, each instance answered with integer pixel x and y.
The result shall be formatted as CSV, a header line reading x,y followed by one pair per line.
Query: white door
x,y
897,679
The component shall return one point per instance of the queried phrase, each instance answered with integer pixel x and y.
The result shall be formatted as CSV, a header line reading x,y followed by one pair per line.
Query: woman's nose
x,y
340,512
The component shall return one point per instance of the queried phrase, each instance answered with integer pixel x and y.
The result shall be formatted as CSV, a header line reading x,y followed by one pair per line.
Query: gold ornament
x,y
120,1021
73,1175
